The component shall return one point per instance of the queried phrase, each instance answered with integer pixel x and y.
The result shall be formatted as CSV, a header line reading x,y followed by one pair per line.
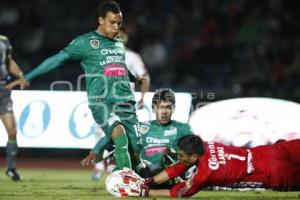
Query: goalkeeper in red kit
x,y
274,166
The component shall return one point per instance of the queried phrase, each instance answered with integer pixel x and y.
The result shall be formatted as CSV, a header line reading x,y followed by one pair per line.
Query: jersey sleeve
x,y
184,189
100,146
186,129
190,186
75,48
48,65
176,170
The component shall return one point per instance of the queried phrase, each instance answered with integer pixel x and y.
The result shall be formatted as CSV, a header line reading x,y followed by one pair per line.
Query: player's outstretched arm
x,y
90,158
14,69
46,66
93,156
159,193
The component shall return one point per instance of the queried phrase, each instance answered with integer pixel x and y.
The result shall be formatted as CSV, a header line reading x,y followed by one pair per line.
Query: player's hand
x,y
149,181
144,190
89,159
23,83
140,79
145,187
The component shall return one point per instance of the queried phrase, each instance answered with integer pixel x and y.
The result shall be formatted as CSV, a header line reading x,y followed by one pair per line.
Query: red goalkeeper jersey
x,y
270,166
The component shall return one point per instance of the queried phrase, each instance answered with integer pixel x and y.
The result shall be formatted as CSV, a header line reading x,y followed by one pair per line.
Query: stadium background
x,y
234,48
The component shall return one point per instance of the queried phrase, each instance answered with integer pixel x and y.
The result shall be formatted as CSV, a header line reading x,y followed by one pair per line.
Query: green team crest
x,y
143,129
95,44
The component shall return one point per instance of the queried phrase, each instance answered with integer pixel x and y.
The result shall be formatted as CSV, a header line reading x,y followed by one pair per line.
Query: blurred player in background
x,y
8,67
274,166
137,68
101,54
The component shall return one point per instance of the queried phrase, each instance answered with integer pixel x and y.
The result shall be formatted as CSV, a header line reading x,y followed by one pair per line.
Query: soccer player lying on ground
x,y
274,166
101,54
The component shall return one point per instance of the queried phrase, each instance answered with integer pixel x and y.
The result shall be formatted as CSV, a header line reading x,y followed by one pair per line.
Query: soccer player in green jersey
x,y
101,54
160,136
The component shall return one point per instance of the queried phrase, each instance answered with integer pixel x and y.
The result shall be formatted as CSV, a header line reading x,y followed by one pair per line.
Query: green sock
x,y
121,152
11,154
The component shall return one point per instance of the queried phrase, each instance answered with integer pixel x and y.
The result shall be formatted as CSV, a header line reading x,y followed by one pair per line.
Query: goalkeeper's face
x,y
187,159
110,25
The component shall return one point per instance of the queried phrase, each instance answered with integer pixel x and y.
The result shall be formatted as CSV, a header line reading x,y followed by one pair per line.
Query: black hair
x,y
191,144
163,94
108,6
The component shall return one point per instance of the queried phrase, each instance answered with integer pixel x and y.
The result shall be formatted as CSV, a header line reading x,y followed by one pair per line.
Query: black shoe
x,y
13,174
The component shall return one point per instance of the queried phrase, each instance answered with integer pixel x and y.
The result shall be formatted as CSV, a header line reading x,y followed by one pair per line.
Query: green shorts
x,y
109,115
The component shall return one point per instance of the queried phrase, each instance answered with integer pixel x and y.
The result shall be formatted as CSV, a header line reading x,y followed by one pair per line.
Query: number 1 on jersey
x,y
234,156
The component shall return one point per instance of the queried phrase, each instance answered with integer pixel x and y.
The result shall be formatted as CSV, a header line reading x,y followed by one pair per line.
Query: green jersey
x,y
158,139
103,60
107,78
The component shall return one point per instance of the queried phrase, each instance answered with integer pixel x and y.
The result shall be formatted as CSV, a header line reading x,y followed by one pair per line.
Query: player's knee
x,y
12,134
118,130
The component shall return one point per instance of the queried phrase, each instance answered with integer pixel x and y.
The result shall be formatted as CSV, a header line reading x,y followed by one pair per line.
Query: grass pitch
x,y
46,184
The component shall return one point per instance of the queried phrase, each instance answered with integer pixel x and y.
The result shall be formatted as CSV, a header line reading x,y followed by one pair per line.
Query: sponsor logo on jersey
x,y
95,44
143,129
112,51
154,150
112,60
172,131
157,140
114,70
217,156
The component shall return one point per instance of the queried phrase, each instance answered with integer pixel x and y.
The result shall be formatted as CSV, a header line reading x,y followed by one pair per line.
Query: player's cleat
x,y
13,174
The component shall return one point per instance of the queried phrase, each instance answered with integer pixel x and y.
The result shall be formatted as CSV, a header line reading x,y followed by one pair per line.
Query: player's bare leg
x,y
9,122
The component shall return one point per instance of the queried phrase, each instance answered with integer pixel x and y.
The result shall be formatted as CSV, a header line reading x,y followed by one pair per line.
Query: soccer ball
x,y
113,182
124,183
